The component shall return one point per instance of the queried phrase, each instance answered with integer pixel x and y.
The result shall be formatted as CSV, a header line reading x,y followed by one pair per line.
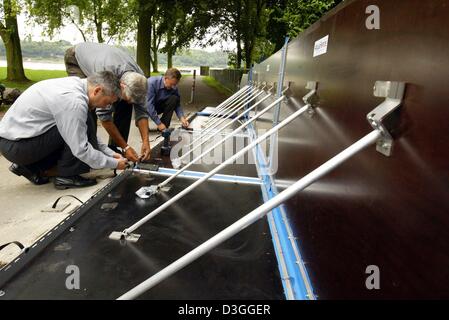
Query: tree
x,y
243,21
10,35
229,27
277,28
253,27
145,12
299,15
105,19
156,39
183,21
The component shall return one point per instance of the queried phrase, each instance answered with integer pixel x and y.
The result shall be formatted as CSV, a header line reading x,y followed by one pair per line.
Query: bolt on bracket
x,y
393,92
122,236
147,192
313,87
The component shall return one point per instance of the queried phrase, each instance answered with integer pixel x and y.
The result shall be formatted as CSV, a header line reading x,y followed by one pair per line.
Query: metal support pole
x,y
226,111
226,114
252,217
277,110
200,143
218,111
232,134
222,120
192,95
250,77
145,219
281,77
232,98
213,132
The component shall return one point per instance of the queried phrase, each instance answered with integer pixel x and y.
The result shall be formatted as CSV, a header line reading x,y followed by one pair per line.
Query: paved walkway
x,y
21,203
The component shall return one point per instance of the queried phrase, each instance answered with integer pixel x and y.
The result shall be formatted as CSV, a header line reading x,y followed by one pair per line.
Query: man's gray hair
x,y
136,87
107,80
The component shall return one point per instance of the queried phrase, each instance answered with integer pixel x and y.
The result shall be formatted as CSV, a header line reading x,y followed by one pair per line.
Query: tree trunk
x,y
99,29
248,55
238,30
239,53
144,38
155,62
11,39
169,46
154,48
98,21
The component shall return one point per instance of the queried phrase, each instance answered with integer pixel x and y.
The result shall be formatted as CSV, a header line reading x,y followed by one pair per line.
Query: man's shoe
x,y
34,178
62,183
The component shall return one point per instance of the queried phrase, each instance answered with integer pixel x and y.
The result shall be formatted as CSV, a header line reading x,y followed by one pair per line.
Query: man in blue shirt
x,y
163,98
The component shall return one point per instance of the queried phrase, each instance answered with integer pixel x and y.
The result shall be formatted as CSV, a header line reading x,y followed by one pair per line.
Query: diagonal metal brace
x,y
393,92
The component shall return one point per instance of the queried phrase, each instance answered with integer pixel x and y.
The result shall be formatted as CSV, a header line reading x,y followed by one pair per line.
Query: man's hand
x,y
184,122
161,127
131,155
117,156
145,153
122,164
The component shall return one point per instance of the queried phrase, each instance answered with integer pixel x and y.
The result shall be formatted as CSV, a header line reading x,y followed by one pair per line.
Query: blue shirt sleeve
x,y
151,101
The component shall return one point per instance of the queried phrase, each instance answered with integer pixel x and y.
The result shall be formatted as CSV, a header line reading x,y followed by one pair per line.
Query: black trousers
x,y
166,108
46,151
122,120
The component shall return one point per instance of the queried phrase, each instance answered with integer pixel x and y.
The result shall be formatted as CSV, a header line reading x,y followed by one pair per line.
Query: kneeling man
x,y
50,129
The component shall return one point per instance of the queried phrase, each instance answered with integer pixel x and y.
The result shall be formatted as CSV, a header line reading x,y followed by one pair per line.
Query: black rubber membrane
x,y
244,267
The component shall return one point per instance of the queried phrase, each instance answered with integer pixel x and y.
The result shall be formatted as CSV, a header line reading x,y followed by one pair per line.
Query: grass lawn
x,y
39,75
33,75
211,82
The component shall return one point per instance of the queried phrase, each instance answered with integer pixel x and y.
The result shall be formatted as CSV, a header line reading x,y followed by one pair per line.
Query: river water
x,y
39,65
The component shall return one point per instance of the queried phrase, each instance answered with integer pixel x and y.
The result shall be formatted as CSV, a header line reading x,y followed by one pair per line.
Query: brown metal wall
x,y
373,210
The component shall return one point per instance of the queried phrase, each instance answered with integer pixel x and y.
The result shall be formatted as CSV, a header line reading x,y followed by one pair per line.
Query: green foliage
x,y
106,19
261,26
299,15
257,26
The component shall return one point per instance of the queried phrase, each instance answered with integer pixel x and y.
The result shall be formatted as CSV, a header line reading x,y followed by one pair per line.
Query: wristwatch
x,y
126,149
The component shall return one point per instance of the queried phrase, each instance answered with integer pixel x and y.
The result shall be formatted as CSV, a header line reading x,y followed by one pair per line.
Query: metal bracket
x,y
394,93
312,86
287,88
147,192
122,236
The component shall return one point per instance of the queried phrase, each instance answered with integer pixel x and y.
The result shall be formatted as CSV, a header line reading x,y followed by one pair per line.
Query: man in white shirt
x,y
50,125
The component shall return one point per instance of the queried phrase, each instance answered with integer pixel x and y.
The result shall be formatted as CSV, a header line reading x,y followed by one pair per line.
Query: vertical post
x,y
281,80
192,95
250,80
250,75
277,109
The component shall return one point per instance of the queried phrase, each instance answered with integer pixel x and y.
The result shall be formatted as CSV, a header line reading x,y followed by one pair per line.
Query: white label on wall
x,y
321,46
